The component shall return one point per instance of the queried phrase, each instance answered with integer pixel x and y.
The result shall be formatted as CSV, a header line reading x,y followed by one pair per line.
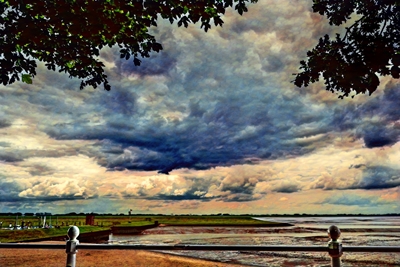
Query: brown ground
x,y
99,258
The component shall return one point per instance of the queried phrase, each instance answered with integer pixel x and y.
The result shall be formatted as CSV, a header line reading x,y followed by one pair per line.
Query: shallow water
x,y
307,231
342,222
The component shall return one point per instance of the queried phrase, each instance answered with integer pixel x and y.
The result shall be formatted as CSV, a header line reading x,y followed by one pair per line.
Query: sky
x,y
212,124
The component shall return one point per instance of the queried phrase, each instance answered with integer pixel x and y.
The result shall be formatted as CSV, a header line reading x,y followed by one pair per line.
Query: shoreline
x,y
102,235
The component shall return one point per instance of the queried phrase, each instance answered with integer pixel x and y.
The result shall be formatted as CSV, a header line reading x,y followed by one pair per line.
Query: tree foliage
x,y
370,46
68,35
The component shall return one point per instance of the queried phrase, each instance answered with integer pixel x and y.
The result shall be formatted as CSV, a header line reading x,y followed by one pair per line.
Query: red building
x,y
89,219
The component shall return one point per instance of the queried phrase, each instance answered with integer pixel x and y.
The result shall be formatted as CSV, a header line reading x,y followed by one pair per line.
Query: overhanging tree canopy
x,y
370,46
69,34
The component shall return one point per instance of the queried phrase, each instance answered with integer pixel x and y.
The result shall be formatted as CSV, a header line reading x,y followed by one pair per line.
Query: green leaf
x,y
70,64
26,78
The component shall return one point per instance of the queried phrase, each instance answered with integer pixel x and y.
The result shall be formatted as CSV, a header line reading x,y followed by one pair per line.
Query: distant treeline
x,y
218,214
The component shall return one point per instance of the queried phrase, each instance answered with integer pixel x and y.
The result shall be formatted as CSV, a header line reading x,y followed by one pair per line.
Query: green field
x,y
30,234
102,222
107,221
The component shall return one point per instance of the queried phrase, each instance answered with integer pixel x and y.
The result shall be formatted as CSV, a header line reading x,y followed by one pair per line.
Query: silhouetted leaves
x,y
370,47
67,35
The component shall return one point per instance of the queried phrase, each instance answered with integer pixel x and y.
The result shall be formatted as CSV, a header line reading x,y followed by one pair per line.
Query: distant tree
x,y
370,46
68,34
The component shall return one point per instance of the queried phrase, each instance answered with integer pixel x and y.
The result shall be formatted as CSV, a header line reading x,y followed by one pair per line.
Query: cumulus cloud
x,y
53,190
369,178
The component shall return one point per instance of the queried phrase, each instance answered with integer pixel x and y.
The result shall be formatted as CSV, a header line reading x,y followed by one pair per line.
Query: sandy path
x,y
100,258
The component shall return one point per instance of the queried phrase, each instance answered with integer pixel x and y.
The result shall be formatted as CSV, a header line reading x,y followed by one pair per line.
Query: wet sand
x,y
294,236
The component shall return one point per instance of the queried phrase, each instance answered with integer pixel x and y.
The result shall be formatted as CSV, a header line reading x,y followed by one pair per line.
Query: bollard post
x,y
73,233
335,249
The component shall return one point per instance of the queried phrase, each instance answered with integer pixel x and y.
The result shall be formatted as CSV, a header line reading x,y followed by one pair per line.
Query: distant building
x,y
89,219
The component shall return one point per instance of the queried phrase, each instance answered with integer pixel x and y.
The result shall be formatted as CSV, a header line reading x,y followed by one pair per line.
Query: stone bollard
x,y
335,249
73,233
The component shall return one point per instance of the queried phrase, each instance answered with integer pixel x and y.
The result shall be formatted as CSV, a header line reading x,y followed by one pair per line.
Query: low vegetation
x,y
208,220
31,234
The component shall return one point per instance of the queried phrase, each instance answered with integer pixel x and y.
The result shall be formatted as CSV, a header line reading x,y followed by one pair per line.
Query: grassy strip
x,y
107,221
7,236
121,220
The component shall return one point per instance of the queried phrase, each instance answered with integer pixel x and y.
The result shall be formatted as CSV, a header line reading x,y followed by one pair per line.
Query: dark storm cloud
x,y
225,134
120,104
158,64
390,102
375,121
136,159
357,166
288,188
55,104
380,136
345,118
9,190
236,119
196,110
382,132
273,63
226,111
9,156
4,123
201,103
186,196
379,177
238,197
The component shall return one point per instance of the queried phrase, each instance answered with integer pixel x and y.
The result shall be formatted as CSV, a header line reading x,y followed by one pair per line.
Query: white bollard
x,y
73,233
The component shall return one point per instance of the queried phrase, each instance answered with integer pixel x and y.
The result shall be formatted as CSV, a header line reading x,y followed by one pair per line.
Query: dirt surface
x,y
100,258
